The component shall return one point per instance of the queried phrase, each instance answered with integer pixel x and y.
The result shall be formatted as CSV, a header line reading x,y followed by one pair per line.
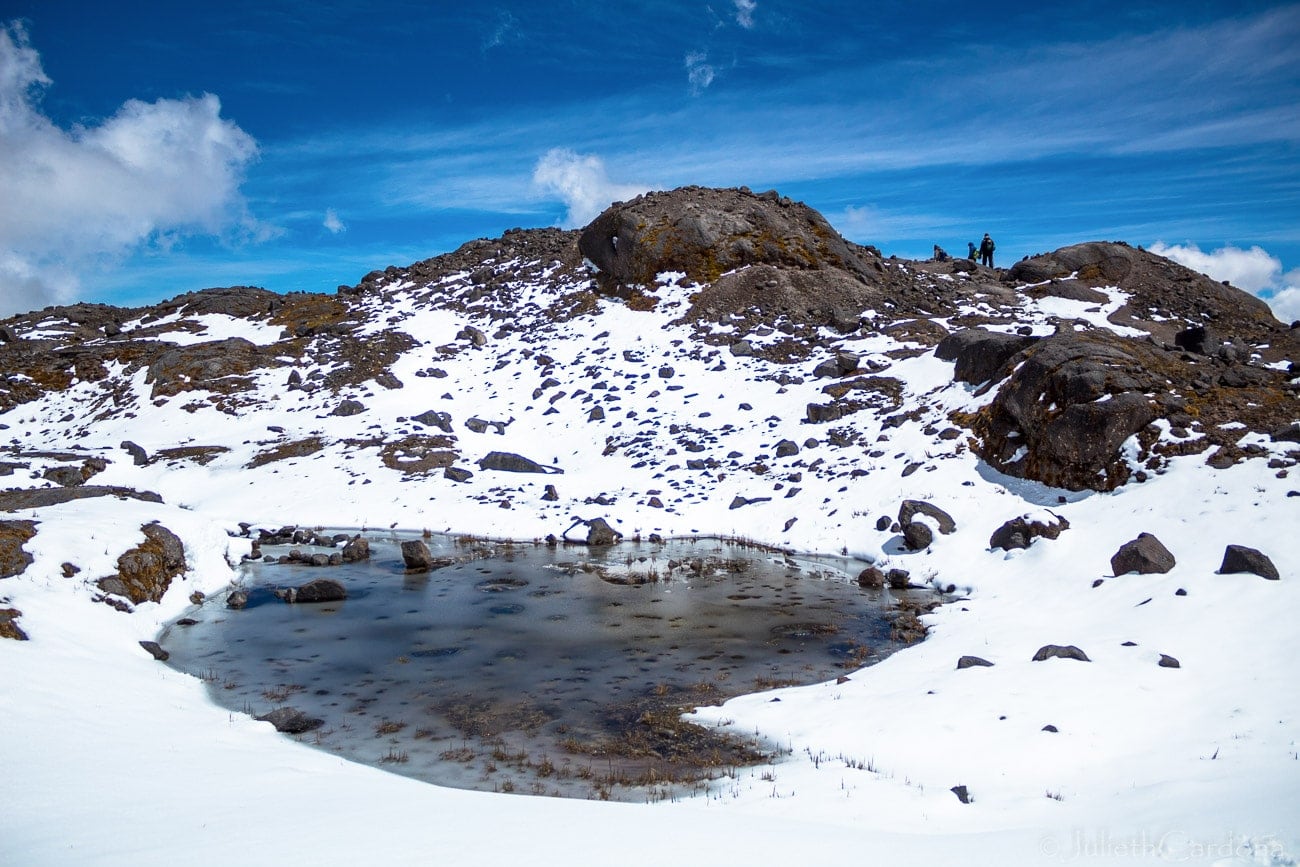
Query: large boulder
x,y
146,571
708,232
980,354
1072,401
1145,555
417,556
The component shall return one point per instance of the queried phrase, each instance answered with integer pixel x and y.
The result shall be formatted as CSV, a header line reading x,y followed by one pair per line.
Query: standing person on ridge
x,y
986,250
970,250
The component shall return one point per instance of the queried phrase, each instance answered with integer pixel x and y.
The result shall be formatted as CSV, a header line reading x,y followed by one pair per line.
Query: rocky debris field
x,y
1091,454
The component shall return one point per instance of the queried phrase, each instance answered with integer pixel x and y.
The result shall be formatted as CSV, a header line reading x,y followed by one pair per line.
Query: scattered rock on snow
x,y
973,662
508,462
1021,531
1167,661
1144,555
1239,558
911,508
1059,651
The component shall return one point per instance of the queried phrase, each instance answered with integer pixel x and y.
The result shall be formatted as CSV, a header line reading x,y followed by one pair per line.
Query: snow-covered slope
x,y
740,402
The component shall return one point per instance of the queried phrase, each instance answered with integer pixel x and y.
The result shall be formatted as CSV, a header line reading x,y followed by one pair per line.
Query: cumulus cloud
x,y
699,72
332,222
581,182
1255,270
745,13
80,198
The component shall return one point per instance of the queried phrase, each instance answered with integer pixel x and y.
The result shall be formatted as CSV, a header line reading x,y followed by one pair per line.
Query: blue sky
x,y
151,148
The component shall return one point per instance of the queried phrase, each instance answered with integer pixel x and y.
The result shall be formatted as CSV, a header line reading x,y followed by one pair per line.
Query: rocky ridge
x,y
1086,368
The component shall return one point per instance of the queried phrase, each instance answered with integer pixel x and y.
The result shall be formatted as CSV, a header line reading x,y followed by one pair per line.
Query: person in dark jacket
x,y
986,250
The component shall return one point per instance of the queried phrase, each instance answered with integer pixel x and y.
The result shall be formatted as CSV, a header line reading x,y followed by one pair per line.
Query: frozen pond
x,y
543,670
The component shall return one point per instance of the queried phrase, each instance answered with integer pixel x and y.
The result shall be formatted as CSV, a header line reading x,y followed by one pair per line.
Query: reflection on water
x,y
559,671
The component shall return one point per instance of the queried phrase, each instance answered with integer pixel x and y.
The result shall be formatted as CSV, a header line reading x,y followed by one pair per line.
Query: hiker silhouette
x,y
986,250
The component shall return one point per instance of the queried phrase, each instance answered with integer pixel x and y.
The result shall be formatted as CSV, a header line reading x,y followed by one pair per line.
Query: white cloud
x,y
699,72
745,13
1255,270
1286,302
76,199
333,223
581,182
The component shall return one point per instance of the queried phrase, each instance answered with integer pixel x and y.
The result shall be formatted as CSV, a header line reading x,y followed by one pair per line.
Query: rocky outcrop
x,y
13,535
1071,403
980,355
708,232
146,571
208,365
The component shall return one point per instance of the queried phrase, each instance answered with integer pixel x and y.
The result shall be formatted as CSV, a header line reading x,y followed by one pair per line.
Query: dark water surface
x,y
558,671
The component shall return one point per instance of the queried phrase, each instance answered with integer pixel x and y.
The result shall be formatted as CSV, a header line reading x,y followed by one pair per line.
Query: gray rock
x,y
313,592
911,508
1239,558
508,462
787,449
962,793
433,418
1288,433
883,523
1021,532
1144,555
972,662
291,721
599,532
356,549
979,354
871,577
1059,651
918,536
1167,661
457,474
551,495
155,650
237,599
742,348
417,556
897,578
138,455
349,407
